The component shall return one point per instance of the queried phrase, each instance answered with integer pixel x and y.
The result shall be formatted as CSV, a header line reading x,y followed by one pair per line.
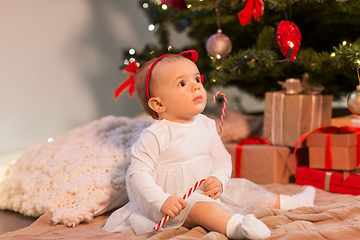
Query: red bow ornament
x,y
252,7
131,69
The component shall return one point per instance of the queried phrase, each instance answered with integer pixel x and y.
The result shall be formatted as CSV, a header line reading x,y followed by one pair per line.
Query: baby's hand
x,y
173,206
212,187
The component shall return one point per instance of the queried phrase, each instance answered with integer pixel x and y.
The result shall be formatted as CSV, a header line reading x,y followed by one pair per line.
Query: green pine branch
x,y
256,63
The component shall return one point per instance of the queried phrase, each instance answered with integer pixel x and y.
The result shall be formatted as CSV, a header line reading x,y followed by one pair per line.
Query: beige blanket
x,y
335,216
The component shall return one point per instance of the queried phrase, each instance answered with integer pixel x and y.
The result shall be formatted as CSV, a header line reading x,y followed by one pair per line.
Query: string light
x,y
344,43
332,54
132,51
145,5
151,27
169,48
50,140
132,59
126,62
188,6
158,2
164,7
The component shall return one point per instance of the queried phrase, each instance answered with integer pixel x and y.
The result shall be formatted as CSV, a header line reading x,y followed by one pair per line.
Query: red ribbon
x,y
254,140
330,130
131,69
252,7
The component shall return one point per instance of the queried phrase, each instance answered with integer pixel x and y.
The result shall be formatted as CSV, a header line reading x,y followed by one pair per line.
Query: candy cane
x,y
223,109
164,219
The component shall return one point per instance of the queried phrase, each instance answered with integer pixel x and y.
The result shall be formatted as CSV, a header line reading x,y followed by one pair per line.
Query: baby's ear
x,y
156,105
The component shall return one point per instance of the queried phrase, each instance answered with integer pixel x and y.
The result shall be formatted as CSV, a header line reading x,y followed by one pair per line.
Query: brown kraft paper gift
x,y
262,164
288,117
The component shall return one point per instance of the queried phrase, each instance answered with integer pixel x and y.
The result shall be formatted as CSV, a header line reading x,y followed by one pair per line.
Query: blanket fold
x,y
335,216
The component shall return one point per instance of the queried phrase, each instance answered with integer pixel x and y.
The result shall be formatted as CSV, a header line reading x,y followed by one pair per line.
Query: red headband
x,y
191,54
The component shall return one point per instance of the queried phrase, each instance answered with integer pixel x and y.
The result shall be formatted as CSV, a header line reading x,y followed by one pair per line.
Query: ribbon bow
x,y
254,140
131,69
193,56
252,7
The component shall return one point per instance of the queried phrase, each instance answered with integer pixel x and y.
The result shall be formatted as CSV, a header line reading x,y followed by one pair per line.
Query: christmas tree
x,y
327,54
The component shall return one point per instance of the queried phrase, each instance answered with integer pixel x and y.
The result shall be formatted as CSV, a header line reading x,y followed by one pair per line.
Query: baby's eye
x,y
198,80
182,84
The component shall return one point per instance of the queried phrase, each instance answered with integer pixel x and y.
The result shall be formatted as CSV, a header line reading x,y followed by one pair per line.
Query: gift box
x,y
343,121
334,149
288,117
262,164
332,181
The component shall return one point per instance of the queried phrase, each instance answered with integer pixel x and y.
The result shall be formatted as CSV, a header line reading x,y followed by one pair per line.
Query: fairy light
x,y
132,51
132,59
291,46
157,2
344,43
50,140
164,7
218,56
145,5
332,54
126,62
169,48
151,27
188,6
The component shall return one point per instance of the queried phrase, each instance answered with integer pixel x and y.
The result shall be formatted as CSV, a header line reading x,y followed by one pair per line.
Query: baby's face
x,y
178,84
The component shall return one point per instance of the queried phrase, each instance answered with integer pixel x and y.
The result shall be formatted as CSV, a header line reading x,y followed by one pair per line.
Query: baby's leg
x,y
305,198
235,226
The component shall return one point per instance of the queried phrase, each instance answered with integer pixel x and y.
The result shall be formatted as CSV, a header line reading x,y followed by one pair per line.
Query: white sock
x,y
305,198
246,227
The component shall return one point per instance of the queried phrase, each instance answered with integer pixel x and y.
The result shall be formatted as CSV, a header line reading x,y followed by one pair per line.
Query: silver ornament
x,y
353,101
218,45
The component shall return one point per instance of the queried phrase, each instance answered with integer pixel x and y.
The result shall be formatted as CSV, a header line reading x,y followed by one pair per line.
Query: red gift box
x,y
332,181
333,148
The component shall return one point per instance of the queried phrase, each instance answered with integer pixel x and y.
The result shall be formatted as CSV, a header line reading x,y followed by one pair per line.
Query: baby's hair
x,y
140,80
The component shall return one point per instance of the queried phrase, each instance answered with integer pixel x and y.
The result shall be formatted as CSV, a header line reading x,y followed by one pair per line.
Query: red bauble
x,y
179,4
288,35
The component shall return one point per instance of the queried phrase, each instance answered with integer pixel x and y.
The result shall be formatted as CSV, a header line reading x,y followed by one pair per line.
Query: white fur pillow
x,y
77,176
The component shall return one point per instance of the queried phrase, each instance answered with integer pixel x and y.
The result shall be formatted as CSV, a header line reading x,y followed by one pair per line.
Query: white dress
x,y
168,159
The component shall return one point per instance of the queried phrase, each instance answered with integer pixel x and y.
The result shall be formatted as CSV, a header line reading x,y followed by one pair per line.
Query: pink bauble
x,y
218,45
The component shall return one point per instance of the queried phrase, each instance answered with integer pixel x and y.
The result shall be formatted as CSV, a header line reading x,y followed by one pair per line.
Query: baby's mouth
x,y
198,99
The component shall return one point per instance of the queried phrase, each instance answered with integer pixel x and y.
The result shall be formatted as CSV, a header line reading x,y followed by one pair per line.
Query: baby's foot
x,y
246,227
304,199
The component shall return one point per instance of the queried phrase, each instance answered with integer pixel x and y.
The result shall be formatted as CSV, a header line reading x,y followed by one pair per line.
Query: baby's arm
x,y
145,153
222,165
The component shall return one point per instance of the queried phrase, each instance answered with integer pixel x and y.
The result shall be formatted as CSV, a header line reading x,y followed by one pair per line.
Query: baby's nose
x,y
196,86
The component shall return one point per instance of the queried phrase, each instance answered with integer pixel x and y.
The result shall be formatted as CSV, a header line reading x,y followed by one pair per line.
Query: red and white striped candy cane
x,y
164,219
223,109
